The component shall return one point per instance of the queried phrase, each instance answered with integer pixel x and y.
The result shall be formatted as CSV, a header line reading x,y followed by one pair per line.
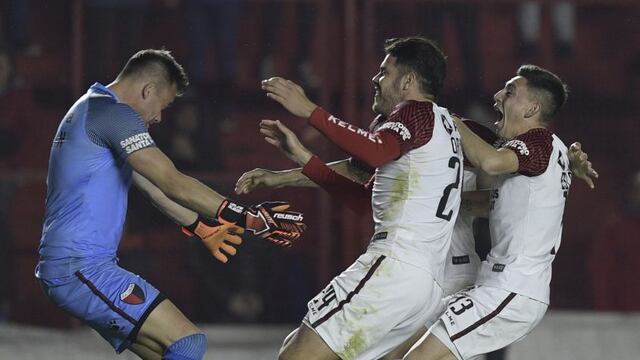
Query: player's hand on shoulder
x,y
285,140
290,95
580,165
258,178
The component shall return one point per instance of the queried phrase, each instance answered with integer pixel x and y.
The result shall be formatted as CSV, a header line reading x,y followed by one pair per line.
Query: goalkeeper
x,y
101,146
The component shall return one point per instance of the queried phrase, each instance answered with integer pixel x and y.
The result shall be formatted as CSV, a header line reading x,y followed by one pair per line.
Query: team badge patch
x,y
133,295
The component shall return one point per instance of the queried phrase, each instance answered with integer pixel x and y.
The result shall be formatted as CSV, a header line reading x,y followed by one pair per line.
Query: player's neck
x,y
123,91
528,125
420,97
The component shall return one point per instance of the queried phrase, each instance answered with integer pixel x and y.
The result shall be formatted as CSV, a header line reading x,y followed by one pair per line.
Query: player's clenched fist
x,y
269,220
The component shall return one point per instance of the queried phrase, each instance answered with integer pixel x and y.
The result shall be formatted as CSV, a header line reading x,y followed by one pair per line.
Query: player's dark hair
x,y
551,91
423,57
157,62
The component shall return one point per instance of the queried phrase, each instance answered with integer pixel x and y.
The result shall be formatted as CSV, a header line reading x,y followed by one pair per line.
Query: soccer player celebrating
x,y
101,146
526,208
394,288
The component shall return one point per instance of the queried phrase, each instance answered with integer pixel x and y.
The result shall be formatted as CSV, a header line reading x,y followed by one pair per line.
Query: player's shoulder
x,y
537,134
558,143
412,108
532,139
101,106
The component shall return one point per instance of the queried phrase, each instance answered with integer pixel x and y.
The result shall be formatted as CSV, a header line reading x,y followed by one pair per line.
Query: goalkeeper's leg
x,y
170,334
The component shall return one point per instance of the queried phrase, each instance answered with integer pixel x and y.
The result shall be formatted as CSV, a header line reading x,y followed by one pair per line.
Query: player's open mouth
x,y
500,122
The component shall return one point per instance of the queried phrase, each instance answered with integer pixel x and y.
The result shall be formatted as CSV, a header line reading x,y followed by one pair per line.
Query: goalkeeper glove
x,y
220,239
268,220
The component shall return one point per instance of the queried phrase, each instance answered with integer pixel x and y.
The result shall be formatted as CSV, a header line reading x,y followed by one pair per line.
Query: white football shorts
x,y
373,306
483,319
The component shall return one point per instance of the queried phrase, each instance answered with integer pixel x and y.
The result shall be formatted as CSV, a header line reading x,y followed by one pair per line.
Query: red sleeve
x,y
374,149
483,132
411,122
350,193
533,150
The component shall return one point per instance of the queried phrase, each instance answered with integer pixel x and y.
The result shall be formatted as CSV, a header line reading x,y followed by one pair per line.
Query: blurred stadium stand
x,y
602,113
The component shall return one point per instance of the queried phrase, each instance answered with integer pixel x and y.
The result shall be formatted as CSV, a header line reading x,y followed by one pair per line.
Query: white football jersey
x,y
416,198
526,216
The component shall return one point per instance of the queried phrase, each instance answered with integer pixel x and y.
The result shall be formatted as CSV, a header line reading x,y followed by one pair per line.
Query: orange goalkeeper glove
x,y
269,220
220,239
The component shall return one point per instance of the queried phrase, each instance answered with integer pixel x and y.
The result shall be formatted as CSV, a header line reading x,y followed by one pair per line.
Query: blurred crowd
x,y
227,46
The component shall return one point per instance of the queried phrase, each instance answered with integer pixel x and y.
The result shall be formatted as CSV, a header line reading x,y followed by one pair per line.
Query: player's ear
x,y
148,89
533,109
408,79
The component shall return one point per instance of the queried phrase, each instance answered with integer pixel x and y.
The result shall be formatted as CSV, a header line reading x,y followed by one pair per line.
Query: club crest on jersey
x,y
397,127
518,145
133,295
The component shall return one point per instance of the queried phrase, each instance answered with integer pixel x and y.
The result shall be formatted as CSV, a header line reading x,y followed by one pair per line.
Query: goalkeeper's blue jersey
x,y
88,182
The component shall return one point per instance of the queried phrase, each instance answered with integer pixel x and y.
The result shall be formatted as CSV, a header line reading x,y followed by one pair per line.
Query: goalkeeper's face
x,y
387,87
156,98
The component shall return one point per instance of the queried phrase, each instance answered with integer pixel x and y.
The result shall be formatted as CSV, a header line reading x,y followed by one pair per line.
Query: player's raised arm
x,y
483,156
290,95
352,194
372,148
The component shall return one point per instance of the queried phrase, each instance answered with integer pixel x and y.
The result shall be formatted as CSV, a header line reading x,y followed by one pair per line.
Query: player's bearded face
x,y
387,87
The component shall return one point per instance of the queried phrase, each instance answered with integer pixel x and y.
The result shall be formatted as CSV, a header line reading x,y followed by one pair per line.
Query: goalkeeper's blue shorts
x,y
110,299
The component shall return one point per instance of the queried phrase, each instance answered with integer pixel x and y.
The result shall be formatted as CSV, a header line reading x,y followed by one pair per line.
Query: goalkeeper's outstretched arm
x,y
221,240
174,211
